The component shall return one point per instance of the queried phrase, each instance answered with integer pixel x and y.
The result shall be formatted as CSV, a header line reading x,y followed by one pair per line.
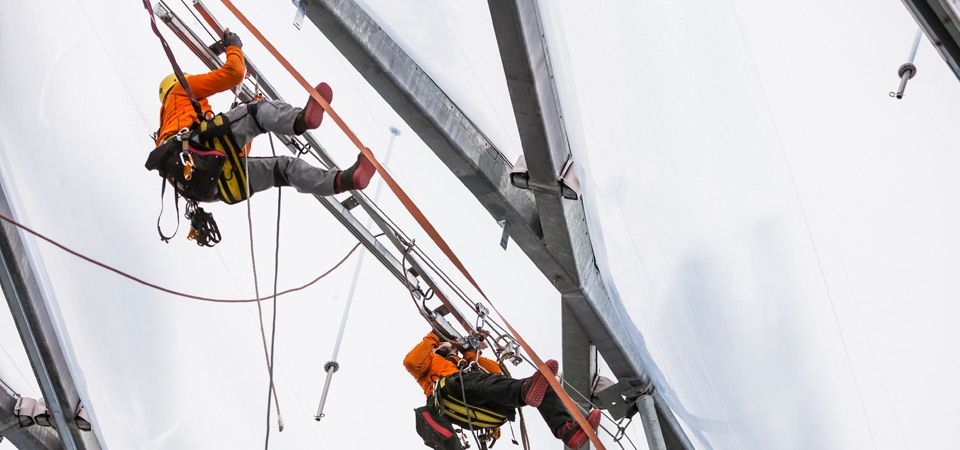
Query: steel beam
x,y
579,356
24,438
579,360
566,258
434,117
539,115
34,322
940,21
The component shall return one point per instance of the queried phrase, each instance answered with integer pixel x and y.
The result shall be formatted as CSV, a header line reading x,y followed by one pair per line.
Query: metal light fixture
x,y
519,176
569,182
83,420
24,410
41,415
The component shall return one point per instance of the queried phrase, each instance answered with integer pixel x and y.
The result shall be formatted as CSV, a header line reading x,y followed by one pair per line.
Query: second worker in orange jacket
x,y
431,361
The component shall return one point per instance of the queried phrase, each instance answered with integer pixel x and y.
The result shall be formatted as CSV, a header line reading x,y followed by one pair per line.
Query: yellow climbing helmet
x,y
168,83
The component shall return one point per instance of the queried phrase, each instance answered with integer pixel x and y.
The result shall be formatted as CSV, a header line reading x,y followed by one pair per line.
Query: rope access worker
x,y
473,393
224,177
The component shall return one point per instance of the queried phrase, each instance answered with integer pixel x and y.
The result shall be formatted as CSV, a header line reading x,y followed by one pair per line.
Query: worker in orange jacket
x,y
252,119
436,365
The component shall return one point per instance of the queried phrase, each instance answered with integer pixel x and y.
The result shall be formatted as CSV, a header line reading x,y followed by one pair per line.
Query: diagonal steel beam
x,y
24,295
24,438
941,22
559,244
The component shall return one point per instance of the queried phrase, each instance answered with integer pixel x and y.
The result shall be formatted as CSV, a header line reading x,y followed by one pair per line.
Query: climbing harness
x,y
204,164
464,415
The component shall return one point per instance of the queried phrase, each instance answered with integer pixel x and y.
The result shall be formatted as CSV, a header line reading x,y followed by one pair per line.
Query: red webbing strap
x,y
572,407
173,61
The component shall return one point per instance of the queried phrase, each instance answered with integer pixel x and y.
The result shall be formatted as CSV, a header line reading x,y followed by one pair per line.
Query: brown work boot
x,y
572,435
312,114
355,177
534,388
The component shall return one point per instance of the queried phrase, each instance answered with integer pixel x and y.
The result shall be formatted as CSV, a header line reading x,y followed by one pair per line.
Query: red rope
x,y
166,289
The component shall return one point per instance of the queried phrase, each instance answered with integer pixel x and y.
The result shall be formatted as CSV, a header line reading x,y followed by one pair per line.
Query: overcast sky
x,y
782,232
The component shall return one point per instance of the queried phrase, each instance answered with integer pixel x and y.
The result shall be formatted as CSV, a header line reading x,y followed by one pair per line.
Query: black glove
x,y
218,48
231,38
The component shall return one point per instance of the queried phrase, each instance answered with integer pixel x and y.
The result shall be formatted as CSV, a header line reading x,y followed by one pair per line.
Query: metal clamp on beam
x,y
619,399
568,183
626,399
83,420
32,412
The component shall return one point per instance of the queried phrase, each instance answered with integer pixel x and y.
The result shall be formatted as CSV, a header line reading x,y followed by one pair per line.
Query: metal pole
x,y
908,70
916,44
332,366
651,424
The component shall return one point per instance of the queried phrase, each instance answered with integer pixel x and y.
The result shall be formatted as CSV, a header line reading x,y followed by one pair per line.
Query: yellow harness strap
x,y
232,184
479,417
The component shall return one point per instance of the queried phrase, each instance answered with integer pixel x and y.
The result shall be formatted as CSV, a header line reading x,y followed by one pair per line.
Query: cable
x,y
273,327
806,223
169,290
202,25
7,386
466,409
15,366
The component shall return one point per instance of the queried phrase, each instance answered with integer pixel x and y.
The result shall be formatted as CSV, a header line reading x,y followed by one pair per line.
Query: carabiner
x,y
187,165
183,134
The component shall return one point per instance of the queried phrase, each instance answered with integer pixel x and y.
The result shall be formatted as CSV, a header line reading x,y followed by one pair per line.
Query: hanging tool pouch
x,y
204,165
435,429
192,169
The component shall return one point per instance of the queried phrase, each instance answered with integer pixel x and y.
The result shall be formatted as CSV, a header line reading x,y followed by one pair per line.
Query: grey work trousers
x,y
248,122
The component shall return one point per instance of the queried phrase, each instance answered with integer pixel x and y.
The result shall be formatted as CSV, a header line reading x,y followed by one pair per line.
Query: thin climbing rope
x,y
273,326
4,383
170,291
256,288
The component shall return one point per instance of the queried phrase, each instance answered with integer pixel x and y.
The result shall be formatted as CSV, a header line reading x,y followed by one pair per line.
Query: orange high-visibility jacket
x,y
428,367
178,113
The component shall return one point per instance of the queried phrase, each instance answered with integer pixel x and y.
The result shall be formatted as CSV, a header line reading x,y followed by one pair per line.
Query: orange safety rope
x,y
421,219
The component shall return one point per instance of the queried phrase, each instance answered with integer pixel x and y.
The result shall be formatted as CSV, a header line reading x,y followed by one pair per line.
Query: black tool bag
x,y
169,158
435,429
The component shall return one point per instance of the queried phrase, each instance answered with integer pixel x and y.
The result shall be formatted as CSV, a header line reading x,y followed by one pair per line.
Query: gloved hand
x,y
231,38
218,48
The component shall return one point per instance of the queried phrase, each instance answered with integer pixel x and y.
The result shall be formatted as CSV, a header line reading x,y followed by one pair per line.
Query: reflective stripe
x,y
436,426
232,182
455,409
476,417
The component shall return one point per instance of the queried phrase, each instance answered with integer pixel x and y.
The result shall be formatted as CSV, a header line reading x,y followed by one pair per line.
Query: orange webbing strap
x,y
421,219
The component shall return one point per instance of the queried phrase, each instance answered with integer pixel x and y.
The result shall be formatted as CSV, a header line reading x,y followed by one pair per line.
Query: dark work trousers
x,y
502,394
247,122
